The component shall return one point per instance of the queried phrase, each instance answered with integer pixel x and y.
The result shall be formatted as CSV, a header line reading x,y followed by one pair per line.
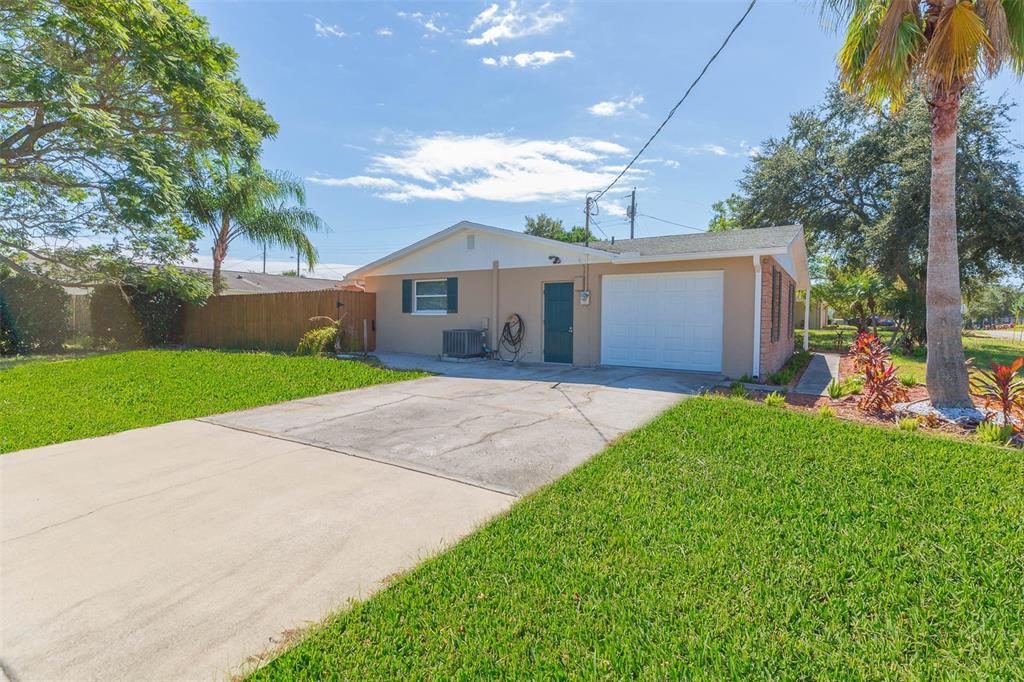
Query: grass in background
x,y
723,540
51,402
985,350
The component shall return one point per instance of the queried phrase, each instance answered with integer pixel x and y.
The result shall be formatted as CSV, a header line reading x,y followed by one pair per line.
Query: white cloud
x,y
488,167
431,22
524,59
617,106
497,24
385,31
613,209
327,30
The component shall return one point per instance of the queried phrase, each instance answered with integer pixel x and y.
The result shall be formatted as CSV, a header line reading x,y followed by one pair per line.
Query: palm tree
x,y
940,46
233,199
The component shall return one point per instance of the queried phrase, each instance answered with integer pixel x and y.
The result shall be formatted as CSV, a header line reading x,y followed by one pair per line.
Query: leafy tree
x,y
37,312
103,106
992,302
726,214
234,199
854,294
891,48
859,184
545,226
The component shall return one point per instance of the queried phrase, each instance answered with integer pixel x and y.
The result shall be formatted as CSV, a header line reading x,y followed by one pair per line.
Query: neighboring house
x,y
258,283
719,302
819,313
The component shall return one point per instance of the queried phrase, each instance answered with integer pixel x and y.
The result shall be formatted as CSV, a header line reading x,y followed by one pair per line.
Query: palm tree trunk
x,y
946,376
220,252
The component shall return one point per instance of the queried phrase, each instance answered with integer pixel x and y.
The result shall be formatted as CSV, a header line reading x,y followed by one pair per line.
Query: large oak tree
x,y
104,106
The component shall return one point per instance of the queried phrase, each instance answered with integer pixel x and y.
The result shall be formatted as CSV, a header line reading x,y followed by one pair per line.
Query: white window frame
x,y
416,297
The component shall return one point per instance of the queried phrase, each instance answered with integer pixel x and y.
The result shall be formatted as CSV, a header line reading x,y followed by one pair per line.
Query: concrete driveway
x,y
184,551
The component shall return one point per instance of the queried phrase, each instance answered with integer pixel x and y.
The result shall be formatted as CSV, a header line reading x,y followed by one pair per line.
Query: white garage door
x,y
671,320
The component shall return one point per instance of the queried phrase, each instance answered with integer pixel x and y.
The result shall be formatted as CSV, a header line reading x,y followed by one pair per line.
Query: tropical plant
x,y
835,389
738,390
908,380
775,399
908,423
103,106
997,434
941,45
1002,389
825,411
323,340
236,199
882,389
855,294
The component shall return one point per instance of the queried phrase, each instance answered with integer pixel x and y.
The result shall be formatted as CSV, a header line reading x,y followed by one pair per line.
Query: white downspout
x,y
807,318
757,317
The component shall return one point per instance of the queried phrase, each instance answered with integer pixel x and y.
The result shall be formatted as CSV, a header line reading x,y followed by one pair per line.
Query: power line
x,y
662,220
679,103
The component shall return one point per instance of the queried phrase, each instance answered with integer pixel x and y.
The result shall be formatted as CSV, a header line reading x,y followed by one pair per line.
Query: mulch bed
x,y
846,407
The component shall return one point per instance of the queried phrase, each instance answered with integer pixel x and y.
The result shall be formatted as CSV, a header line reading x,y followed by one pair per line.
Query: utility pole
x,y
586,212
632,213
298,263
264,259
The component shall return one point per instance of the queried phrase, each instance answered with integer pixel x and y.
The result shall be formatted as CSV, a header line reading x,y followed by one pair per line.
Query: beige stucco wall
x,y
520,290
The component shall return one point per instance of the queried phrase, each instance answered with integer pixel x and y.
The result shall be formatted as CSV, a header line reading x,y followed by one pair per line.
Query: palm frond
x,y
999,49
954,51
897,50
861,35
1013,10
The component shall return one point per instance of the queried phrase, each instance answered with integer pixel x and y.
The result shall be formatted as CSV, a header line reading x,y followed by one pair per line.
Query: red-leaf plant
x,y
1002,389
882,388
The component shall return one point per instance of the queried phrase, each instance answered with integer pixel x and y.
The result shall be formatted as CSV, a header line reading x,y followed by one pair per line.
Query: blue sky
x,y
405,118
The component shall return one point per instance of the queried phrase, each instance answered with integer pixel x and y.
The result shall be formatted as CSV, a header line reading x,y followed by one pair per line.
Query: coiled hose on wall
x,y
512,335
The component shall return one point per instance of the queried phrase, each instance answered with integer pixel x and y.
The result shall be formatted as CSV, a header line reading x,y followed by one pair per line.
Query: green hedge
x,y
34,315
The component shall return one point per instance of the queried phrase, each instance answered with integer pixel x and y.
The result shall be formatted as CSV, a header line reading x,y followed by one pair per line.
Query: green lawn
x,y
727,540
50,402
984,350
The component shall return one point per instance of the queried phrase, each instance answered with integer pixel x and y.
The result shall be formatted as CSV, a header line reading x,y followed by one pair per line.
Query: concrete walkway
x,y
184,551
823,368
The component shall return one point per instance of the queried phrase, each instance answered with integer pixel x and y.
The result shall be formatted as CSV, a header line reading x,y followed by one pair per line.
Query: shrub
x,y
836,390
826,411
37,314
882,389
738,390
990,432
1002,389
319,341
775,399
146,308
908,423
788,372
746,379
10,339
853,386
908,380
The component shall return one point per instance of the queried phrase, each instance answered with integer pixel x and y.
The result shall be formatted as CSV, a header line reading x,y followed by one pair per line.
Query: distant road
x,y
999,333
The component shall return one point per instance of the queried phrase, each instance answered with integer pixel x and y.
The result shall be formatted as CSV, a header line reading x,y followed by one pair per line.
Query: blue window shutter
x,y
453,294
406,295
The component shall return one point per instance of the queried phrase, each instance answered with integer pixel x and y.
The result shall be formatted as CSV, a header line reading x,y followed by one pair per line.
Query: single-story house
x,y
720,302
238,282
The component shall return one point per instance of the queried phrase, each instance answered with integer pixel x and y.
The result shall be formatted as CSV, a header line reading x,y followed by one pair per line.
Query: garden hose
x,y
512,335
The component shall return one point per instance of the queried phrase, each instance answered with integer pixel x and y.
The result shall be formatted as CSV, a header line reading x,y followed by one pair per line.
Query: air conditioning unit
x,y
463,343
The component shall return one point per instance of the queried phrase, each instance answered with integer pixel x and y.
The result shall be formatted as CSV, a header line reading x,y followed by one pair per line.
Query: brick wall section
x,y
774,355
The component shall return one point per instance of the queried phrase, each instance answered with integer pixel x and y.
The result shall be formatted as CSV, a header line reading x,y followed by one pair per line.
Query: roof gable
x,y
472,246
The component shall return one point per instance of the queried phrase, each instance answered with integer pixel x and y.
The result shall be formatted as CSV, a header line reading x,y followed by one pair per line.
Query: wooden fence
x,y
277,321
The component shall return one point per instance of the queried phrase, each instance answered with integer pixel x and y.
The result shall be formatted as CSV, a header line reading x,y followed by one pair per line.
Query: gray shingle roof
x,y
236,282
704,242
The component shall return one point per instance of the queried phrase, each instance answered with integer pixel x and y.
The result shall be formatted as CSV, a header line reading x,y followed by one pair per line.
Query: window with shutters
x,y
431,297
776,311
792,304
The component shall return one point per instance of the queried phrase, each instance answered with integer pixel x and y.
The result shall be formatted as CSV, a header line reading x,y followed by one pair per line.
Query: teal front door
x,y
558,322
